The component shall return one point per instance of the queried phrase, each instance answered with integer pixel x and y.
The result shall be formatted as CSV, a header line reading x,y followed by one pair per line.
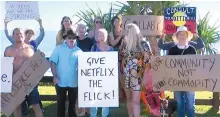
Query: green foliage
x,y
209,34
89,15
136,7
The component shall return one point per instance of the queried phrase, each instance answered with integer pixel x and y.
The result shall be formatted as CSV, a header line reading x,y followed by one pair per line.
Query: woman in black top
x,y
98,24
182,37
116,36
115,40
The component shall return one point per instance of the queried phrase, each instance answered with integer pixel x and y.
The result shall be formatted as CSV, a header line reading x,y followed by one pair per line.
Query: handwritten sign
x,y
149,25
186,73
22,10
6,74
24,80
179,16
98,79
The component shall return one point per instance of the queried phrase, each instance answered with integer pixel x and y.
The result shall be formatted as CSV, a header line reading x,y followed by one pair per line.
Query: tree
x,y
209,34
89,15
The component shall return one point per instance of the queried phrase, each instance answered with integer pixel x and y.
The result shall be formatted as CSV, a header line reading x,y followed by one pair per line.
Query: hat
x,y
180,29
70,33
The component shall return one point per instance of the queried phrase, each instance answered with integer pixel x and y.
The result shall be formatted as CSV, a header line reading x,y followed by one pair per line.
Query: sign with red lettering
x,y
23,81
186,73
179,16
149,25
22,10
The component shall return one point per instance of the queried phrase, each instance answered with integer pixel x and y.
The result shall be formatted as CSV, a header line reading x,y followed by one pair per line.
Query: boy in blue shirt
x,y
64,66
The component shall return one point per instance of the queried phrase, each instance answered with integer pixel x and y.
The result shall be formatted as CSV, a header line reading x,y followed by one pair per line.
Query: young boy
x,y
182,37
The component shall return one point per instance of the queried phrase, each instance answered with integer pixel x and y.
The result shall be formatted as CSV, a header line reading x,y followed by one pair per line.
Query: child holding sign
x,y
100,47
182,37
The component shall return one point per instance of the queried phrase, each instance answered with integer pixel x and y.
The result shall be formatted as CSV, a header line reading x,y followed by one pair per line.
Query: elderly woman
x,y
135,54
101,46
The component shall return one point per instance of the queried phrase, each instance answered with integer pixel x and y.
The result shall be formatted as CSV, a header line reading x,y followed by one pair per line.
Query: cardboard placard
x,y
179,16
22,10
24,80
98,79
6,74
186,73
149,25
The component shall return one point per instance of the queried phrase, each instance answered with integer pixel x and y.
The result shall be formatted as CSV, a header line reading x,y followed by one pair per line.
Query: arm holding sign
x,y
10,38
54,59
198,43
165,46
112,41
42,33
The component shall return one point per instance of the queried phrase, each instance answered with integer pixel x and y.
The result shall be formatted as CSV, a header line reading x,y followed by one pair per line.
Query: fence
x,y
215,102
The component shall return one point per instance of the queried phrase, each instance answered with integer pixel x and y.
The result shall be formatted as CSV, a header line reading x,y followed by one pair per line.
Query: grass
x,y
50,106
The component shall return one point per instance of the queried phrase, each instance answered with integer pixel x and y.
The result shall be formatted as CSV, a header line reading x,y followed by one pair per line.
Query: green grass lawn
x,y
50,106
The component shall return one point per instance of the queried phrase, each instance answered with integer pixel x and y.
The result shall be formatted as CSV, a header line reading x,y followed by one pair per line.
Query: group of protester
x,y
134,61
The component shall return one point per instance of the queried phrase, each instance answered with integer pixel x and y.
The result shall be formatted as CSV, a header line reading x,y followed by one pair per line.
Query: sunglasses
x,y
100,22
71,37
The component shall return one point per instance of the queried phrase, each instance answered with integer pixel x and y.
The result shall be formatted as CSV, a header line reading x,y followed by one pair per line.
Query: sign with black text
x,y
24,81
6,74
179,16
98,79
186,73
22,10
149,25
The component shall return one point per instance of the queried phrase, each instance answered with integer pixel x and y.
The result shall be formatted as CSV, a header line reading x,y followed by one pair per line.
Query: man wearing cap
x,y
182,37
64,66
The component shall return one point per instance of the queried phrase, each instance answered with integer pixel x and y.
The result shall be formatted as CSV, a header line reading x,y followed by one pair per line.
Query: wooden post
x,y
216,101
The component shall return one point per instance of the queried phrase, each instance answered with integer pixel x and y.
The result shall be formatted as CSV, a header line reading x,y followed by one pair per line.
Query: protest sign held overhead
x,y
24,80
149,25
98,79
179,16
186,73
22,10
6,74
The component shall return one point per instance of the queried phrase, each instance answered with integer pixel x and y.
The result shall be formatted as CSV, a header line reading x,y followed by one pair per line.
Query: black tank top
x,y
116,47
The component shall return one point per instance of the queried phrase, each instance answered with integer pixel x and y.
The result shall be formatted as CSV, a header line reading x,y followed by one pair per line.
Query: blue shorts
x,y
33,97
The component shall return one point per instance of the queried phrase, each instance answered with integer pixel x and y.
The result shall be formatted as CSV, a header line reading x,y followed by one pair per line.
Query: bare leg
x,y
136,103
17,112
37,110
128,94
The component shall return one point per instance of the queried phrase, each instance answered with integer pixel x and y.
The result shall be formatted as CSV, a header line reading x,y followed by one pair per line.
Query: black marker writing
x,y
91,60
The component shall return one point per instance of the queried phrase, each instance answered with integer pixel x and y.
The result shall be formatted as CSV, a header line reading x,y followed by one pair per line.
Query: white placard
x,y
6,74
98,79
22,10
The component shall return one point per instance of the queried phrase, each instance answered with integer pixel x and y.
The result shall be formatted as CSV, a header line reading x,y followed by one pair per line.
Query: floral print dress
x,y
133,66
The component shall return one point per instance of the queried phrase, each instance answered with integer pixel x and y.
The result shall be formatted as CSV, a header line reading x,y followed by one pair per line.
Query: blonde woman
x,y
135,55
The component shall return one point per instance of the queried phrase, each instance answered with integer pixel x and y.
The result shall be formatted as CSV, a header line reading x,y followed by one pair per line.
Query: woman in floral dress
x,y
135,55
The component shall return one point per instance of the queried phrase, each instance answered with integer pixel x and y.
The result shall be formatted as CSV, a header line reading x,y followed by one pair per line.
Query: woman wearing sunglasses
x,y
93,34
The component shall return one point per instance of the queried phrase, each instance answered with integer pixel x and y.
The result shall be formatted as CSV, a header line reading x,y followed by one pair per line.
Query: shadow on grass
x,y
121,111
